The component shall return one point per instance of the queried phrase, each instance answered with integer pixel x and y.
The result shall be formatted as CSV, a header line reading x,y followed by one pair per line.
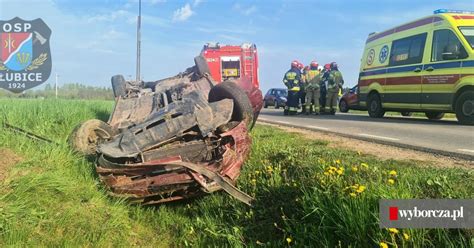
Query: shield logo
x,y
25,57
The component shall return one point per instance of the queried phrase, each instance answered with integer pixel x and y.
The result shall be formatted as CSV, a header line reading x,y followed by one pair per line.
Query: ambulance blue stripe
x,y
445,65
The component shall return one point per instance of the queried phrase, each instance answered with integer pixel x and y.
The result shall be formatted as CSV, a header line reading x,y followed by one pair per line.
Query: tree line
x,y
65,91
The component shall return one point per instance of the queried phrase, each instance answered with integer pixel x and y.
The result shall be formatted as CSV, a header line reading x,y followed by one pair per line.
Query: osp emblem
x,y
25,57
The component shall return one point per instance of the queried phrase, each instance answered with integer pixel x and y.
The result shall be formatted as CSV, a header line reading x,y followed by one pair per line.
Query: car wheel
x,y
465,108
406,113
118,85
434,115
202,66
375,106
275,105
265,104
243,110
88,135
343,107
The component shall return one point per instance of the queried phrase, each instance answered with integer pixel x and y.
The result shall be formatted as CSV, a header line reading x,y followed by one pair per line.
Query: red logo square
x,y
393,213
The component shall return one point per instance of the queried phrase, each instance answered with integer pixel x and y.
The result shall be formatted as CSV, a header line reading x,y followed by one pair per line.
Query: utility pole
x,y
56,86
139,20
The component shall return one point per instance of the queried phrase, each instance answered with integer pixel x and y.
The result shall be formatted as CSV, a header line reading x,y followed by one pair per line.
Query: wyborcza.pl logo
x,y
427,213
25,57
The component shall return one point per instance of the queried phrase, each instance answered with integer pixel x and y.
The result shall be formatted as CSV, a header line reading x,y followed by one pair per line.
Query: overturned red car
x,y
175,138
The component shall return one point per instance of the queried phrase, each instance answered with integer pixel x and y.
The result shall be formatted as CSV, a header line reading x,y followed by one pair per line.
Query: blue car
x,y
275,97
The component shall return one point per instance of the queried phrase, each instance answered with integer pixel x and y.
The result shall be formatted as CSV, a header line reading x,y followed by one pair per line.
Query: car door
x,y
402,87
442,71
352,98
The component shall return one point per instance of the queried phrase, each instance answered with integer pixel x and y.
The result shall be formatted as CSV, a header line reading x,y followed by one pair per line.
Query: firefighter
x,y
323,82
292,80
335,82
312,89
302,93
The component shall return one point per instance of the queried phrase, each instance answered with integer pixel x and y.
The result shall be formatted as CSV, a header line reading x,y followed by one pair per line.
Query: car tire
x,y
343,107
87,135
275,105
375,106
201,65
118,85
243,110
265,104
434,115
465,108
405,113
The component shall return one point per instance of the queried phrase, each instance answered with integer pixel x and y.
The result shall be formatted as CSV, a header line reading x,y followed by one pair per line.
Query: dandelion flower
x,y
361,189
355,169
383,245
364,165
406,236
338,161
288,240
393,230
391,181
353,194
254,181
392,173
257,172
269,169
340,171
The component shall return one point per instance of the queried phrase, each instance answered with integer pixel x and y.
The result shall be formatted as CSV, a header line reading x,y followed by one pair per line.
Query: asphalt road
x,y
444,137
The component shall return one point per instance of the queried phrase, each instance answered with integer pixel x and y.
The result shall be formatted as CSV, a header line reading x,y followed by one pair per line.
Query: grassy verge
x,y
307,194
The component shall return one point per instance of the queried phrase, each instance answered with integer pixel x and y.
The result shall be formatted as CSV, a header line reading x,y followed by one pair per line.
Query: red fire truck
x,y
239,64
232,62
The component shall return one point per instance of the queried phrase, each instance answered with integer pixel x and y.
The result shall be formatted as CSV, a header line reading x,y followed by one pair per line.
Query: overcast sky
x,y
95,39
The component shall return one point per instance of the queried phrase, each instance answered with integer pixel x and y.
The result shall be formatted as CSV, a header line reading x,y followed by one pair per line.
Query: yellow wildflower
x,y
391,181
392,173
338,161
353,194
406,236
269,169
254,181
359,153
257,172
364,165
393,230
361,189
340,170
289,240
326,173
355,169
383,245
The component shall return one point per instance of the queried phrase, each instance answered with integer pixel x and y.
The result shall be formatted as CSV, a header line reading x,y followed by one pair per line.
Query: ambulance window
x,y
408,50
468,33
446,46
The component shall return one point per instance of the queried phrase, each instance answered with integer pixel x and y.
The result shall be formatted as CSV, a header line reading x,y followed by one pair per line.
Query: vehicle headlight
x,y
283,98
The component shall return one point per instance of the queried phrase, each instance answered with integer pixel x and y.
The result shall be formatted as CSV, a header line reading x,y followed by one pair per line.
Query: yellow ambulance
x,y
425,65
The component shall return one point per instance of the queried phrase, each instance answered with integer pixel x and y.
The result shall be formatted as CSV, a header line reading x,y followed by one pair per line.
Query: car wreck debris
x,y
175,138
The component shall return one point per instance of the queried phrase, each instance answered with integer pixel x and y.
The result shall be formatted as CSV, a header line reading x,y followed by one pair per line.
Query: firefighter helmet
x,y
300,66
327,66
294,64
314,65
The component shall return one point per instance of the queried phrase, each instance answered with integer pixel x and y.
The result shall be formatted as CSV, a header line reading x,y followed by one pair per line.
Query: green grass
x,y
54,198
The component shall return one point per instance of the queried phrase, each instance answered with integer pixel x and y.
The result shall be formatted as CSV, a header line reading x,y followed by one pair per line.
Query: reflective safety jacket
x,y
313,78
335,80
292,79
